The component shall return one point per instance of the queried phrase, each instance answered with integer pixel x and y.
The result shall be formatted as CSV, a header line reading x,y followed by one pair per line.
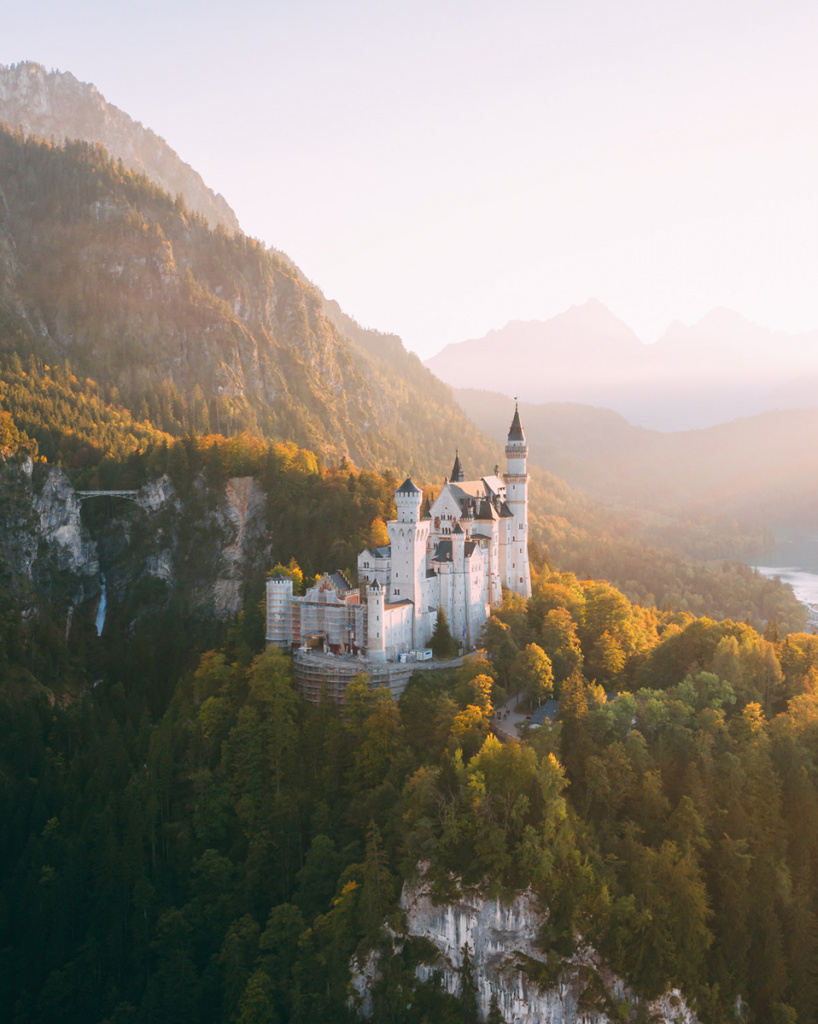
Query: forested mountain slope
x,y
56,105
125,321
50,411
196,330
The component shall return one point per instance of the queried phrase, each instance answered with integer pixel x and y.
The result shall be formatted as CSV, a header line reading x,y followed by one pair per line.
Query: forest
x,y
184,838
229,858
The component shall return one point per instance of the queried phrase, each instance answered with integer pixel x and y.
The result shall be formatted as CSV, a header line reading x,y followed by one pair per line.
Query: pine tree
x,y
442,642
378,889
468,989
495,1014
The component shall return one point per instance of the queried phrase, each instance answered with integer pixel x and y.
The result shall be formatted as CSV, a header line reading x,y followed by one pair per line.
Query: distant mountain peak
x,y
594,312
56,104
721,317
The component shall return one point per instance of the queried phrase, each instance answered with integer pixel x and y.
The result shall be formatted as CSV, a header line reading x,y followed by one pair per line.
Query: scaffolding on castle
x,y
321,677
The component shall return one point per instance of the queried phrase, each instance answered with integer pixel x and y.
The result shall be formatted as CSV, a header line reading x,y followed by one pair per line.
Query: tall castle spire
x,y
518,574
456,475
515,431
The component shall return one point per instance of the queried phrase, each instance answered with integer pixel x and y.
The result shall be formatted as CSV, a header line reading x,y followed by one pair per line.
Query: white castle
x,y
457,554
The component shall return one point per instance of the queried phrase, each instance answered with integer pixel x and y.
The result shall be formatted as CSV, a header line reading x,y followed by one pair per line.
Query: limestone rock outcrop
x,y
502,941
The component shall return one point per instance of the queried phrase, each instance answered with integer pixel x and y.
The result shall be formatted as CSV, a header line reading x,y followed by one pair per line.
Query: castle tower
x,y
518,574
280,611
375,643
408,535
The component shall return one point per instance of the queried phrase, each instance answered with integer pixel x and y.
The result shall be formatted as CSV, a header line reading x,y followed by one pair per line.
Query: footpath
x,y
506,720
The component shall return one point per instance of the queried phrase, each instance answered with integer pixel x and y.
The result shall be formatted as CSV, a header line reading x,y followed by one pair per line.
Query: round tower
x,y
375,631
279,611
518,574
408,536
408,498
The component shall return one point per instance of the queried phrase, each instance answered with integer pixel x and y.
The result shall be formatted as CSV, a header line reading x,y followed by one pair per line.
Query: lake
x,y
794,560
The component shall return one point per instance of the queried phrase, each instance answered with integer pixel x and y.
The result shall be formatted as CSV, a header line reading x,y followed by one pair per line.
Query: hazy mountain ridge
x,y
761,469
717,370
197,330
55,104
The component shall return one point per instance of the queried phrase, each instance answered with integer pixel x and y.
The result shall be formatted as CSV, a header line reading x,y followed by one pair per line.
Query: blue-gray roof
x,y
547,711
515,432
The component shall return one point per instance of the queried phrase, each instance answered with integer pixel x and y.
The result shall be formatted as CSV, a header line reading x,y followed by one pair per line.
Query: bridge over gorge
x,y
107,494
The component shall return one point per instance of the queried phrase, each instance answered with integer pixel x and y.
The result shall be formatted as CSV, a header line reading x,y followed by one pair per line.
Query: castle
x,y
456,554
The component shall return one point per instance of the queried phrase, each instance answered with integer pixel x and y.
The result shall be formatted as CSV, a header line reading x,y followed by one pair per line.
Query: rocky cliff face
x,y
243,509
203,546
43,536
502,940
57,105
61,527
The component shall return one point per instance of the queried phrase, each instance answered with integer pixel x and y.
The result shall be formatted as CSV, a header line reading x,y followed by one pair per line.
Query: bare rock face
x,y
501,937
57,105
61,526
43,538
244,507
155,494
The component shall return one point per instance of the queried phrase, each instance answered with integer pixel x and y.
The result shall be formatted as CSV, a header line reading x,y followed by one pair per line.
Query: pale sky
x,y
441,168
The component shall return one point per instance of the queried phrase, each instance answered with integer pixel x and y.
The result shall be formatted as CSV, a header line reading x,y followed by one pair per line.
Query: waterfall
x,y
100,619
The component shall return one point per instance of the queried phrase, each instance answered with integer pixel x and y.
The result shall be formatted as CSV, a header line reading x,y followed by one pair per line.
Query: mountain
x,y
584,351
760,469
717,370
56,105
197,330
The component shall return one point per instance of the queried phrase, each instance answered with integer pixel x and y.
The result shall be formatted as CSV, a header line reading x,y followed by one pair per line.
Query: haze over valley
x,y
719,369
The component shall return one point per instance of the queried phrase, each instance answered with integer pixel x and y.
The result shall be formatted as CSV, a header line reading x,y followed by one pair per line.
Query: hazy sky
x,y
441,168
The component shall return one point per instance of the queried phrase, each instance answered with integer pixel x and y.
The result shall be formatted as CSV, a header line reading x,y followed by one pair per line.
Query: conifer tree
x,y
495,1015
378,889
468,989
442,642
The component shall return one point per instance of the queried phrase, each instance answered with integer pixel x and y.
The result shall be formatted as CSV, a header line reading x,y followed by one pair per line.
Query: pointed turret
x,y
456,475
427,509
515,431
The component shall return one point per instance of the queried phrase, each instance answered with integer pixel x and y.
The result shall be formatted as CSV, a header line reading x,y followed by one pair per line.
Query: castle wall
x,y
398,629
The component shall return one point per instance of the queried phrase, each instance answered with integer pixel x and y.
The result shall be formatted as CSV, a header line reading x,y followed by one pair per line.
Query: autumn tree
x,y
532,675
